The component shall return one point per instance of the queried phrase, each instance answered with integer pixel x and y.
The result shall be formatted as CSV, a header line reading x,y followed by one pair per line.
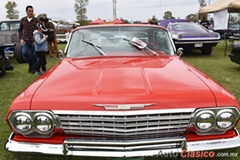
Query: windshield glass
x,y
9,25
115,41
64,26
234,26
188,27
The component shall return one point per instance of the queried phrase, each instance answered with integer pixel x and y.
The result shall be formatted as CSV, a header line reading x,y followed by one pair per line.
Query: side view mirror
x,y
60,54
180,52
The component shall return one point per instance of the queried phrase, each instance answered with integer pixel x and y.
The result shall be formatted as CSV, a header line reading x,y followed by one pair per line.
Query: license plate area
x,y
198,45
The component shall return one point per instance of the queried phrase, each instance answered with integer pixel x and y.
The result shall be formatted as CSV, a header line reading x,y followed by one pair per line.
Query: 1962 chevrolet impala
x,y
121,91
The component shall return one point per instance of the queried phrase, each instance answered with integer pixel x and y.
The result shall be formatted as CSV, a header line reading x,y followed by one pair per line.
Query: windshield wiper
x,y
98,48
139,44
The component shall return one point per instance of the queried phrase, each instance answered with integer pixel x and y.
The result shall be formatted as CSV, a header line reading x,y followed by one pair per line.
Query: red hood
x,y
165,81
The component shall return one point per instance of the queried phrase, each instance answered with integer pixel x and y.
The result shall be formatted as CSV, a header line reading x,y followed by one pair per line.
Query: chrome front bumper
x,y
77,148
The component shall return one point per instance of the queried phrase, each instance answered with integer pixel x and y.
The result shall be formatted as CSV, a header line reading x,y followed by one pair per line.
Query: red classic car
x,y
121,91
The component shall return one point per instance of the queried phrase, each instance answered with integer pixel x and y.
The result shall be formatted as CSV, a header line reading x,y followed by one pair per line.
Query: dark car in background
x,y
2,65
191,36
9,35
235,53
233,29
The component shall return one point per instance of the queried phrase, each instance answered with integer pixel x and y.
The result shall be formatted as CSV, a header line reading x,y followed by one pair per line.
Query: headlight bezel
x,y
33,132
46,116
215,129
225,112
14,123
204,113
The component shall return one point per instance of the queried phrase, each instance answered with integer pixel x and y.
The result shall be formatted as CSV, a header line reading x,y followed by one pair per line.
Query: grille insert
x,y
129,124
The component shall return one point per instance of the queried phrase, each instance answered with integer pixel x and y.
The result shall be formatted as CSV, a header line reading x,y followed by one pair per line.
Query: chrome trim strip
x,y
123,113
124,106
127,125
190,42
120,148
101,118
121,143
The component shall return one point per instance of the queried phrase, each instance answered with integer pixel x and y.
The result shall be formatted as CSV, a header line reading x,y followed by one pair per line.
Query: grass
x,y
216,66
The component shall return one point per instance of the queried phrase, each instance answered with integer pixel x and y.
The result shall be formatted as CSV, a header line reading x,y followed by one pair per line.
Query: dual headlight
x,y
215,120
27,123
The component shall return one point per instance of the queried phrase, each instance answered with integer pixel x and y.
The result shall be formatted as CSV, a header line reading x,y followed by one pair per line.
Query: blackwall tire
x,y
206,50
2,66
18,53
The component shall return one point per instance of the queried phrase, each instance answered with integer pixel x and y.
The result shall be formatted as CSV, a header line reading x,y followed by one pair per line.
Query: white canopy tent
x,y
232,6
220,10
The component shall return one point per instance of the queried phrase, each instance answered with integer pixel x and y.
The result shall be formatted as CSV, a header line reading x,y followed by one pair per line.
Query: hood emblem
x,y
123,106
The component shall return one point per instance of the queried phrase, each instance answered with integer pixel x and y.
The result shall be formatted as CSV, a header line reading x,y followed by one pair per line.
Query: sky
x,y
132,10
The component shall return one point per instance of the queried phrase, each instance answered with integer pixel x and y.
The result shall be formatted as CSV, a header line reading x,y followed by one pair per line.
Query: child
x,y
40,43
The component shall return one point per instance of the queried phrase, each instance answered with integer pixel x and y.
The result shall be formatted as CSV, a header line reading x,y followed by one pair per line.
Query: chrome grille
x,y
129,124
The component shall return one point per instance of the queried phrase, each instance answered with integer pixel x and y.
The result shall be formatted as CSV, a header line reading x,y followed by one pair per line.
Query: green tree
x,y
80,10
12,13
233,17
168,15
202,3
125,21
192,17
42,15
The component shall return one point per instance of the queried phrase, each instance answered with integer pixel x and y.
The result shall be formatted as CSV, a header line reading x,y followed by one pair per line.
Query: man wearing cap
x,y
27,25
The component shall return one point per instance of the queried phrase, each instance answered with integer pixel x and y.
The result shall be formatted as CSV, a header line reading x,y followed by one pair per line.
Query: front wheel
x,y
207,50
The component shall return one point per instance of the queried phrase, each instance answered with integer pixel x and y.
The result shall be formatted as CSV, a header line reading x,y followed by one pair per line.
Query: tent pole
x,y
225,53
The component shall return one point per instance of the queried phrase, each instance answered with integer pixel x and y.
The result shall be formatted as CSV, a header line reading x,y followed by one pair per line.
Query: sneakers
x,y
51,58
37,73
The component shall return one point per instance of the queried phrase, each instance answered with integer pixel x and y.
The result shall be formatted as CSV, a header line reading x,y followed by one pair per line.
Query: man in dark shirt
x,y
27,25
204,22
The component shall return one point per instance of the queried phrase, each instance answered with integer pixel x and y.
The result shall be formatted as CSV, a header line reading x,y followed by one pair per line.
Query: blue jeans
x,y
28,51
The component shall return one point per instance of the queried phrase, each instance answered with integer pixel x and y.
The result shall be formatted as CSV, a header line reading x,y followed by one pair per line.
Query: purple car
x,y
190,36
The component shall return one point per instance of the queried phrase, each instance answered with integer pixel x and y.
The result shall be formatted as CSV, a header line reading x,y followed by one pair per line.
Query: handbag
x,y
50,37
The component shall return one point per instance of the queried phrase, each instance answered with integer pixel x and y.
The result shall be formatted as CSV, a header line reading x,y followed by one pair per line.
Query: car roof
x,y
182,23
120,25
165,22
9,20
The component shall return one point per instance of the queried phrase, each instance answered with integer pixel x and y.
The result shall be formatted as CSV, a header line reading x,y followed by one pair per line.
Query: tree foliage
x,y
42,15
192,17
233,18
168,15
80,10
12,13
125,21
202,3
